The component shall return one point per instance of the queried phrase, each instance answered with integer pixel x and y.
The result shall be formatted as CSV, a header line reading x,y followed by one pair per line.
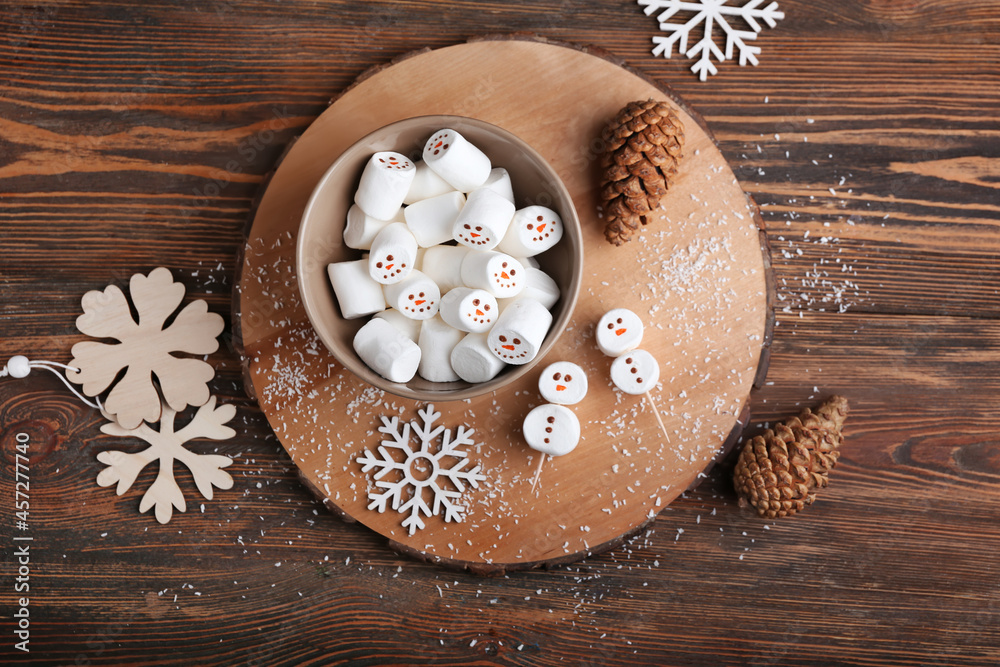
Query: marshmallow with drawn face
x,y
551,429
499,274
426,184
393,254
470,310
519,331
499,182
539,286
635,372
407,326
618,331
456,160
387,350
416,296
361,228
437,340
484,220
443,264
357,294
473,361
533,230
432,220
384,184
563,382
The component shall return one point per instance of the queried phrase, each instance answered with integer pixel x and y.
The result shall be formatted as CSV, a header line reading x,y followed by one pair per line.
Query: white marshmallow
x,y
408,326
539,286
426,184
416,296
484,220
529,261
551,429
470,310
443,264
387,351
618,331
384,184
499,274
361,228
452,157
635,372
357,294
563,382
393,254
499,182
532,231
519,331
437,340
432,220
472,360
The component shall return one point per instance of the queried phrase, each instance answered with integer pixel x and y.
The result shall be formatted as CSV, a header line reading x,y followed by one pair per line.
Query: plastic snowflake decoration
x,y
145,348
709,14
424,480
167,446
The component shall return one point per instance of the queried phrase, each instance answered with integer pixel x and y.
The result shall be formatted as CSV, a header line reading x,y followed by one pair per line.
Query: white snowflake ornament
x,y
424,480
709,14
167,446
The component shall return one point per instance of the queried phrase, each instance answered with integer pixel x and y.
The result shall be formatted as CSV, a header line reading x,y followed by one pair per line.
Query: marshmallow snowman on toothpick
x,y
552,429
634,371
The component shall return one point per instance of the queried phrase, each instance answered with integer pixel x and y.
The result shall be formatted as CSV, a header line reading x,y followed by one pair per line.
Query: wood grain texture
x,y
135,136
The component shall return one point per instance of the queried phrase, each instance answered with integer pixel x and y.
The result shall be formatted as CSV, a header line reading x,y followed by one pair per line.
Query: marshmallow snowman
x,y
437,340
473,361
483,220
357,294
393,254
416,296
539,286
499,274
551,429
519,331
408,326
456,160
431,220
384,183
469,310
635,372
619,331
532,231
563,382
426,184
387,350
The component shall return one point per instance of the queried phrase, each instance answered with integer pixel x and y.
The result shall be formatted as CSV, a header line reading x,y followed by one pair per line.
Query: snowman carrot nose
x,y
619,332
541,227
503,274
560,387
388,267
479,312
474,235
420,302
508,347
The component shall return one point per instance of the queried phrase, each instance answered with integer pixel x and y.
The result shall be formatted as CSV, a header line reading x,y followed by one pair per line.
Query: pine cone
x,y
779,471
644,144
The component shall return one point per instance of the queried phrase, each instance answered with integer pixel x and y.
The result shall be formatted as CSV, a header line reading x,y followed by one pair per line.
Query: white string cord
x,y
19,366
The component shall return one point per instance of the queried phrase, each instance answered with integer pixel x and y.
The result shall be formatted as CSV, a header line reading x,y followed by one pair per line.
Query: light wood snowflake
x,y
167,446
145,349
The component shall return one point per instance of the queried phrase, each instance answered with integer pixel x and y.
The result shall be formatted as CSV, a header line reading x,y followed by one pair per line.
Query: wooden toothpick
x,y
538,472
656,413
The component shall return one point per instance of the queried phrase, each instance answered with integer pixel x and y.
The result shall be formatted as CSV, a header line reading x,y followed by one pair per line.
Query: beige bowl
x,y
321,242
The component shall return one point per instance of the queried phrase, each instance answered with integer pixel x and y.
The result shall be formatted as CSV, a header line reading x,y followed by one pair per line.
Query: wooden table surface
x,y
138,135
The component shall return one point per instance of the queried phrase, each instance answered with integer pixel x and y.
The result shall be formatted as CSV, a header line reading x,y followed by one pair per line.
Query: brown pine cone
x,y
644,144
779,471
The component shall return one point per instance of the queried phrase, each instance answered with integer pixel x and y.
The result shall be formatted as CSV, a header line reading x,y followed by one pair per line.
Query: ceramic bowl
x,y
320,242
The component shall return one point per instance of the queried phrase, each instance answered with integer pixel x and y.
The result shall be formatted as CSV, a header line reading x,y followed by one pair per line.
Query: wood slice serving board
x,y
697,276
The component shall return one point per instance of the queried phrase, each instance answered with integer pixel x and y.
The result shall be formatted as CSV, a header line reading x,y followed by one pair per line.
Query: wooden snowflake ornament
x,y
167,446
145,349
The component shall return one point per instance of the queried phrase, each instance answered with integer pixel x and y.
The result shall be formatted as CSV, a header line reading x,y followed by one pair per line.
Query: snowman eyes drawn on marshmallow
x,y
480,313
389,268
475,235
419,303
506,276
510,349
